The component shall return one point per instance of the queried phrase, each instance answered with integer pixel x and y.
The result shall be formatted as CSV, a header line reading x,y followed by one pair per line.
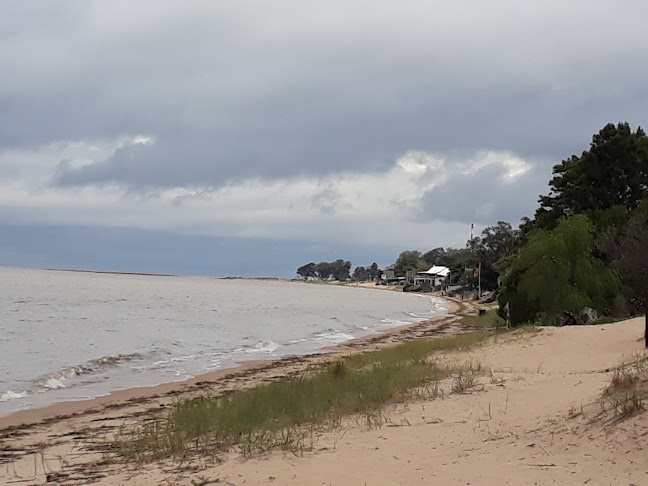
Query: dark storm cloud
x,y
484,197
232,90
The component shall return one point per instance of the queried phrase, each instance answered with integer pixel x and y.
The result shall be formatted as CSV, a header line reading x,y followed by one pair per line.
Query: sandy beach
x,y
528,420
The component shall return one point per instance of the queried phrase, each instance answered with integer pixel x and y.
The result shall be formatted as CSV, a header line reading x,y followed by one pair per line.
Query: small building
x,y
388,277
434,277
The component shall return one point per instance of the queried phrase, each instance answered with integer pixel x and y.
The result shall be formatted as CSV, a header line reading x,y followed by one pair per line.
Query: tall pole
x,y
480,285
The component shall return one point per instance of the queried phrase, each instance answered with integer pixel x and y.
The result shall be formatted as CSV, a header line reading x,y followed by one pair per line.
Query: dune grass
x,y
489,320
285,414
627,392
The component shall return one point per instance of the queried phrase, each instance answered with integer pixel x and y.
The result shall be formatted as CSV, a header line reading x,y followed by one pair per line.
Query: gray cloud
x,y
238,89
289,119
484,197
327,200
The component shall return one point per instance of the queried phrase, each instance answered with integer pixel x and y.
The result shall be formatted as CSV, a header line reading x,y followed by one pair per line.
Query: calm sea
x,y
72,335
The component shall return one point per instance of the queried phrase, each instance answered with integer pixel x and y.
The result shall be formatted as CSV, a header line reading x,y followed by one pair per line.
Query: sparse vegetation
x,y
285,414
464,381
488,320
627,392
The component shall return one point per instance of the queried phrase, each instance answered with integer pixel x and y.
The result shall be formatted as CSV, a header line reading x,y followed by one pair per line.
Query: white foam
x,y
332,337
298,341
10,395
57,380
53,383
161,362
262,347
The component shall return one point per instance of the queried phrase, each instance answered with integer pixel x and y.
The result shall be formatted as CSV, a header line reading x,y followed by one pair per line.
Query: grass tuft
x,y
628,390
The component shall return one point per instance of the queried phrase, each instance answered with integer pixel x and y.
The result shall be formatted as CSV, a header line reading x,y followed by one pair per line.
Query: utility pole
x,y
480,291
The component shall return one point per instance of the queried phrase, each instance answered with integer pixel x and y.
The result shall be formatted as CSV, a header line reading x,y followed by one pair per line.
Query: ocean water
x,y
75,335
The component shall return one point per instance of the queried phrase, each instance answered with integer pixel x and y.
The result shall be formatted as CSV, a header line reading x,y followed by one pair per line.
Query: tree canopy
x,y
494,244
613,172
409,260
337,270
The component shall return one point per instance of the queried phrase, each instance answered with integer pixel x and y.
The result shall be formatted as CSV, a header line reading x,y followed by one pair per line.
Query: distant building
x,y
388,277
435,276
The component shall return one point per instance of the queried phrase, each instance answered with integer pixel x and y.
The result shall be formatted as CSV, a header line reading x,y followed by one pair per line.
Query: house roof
x,y
438,270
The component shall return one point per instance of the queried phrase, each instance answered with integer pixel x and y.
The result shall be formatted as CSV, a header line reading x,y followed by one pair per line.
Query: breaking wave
x,y
11,395
331,336
262,347
56,380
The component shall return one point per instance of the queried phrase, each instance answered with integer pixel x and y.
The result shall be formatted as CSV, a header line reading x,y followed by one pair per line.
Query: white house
x,y
435,275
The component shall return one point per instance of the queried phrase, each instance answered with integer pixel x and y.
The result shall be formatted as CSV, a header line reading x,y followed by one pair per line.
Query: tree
x,y
462,263
341,269
613,172
323,270
360,274
307,271
556,271
495,243
625,245
374,271
434,257
408,261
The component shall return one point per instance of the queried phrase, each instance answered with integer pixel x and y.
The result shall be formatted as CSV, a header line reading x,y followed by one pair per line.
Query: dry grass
x,y
465,380
627,392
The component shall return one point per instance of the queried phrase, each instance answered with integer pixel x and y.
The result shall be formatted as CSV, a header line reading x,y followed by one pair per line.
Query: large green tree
x,y
557,271
613,172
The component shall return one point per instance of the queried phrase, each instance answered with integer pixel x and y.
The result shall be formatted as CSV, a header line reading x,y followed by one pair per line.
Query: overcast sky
x,y
241,137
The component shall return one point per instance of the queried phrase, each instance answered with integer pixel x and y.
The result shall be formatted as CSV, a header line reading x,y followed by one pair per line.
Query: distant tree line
x,y
367,273
338,270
